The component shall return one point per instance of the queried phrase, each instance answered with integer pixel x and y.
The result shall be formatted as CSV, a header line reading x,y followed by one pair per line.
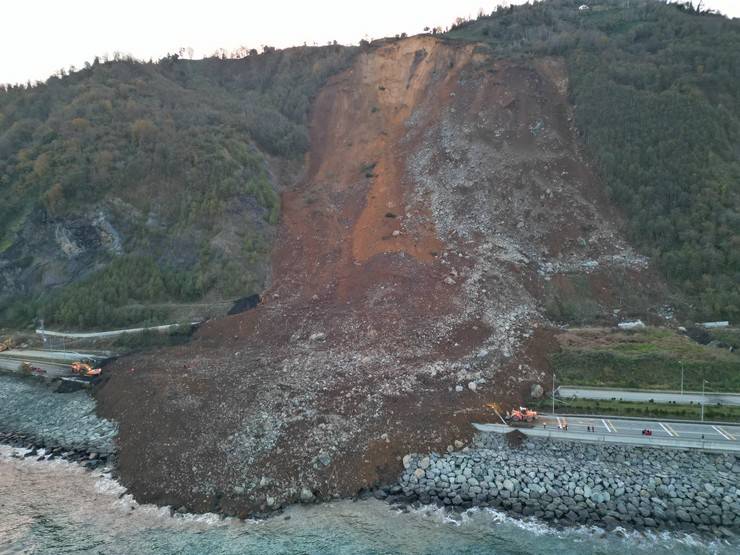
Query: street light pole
x,y
553,393
681,363
703,382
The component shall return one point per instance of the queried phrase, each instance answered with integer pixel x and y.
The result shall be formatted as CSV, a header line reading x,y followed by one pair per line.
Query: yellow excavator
x,y
84,369
6,345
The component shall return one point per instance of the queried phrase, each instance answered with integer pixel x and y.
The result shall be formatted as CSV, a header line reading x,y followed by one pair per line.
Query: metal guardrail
x,y
646,395
112,333
593,437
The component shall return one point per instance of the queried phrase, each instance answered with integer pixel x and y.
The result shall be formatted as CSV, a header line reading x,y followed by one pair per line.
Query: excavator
x,y
514,416
6,345
29,368
522,414
84,369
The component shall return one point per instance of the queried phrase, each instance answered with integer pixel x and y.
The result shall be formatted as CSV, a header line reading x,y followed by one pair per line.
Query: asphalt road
x,y
50,369
608,425
656,396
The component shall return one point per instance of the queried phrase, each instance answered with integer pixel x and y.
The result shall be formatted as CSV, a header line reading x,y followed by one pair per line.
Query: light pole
x,y
553,393
703,382
681,363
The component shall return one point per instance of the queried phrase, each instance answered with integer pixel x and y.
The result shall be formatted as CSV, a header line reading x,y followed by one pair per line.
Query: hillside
x,y
422,216
657,105
129,186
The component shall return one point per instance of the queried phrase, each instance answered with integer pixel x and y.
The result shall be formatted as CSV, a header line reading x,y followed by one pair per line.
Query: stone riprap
x,y
32,413
572,483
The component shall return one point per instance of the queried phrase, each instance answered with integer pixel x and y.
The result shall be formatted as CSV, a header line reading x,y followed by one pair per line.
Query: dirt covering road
x,y
443,202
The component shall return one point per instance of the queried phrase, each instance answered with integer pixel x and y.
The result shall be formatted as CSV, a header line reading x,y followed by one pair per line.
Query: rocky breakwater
x,y
569,483
52,425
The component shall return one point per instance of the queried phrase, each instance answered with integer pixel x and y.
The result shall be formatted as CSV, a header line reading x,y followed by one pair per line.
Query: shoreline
x,y
501,473
567,483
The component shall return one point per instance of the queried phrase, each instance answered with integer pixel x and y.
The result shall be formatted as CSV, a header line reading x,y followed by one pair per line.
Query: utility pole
x,y
681,363
703,382
553,393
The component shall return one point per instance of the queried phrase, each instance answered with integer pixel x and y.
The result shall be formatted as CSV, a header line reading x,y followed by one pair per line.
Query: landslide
x,y
443,210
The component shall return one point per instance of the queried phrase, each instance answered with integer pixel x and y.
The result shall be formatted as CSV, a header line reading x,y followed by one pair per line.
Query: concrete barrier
x,y
591,437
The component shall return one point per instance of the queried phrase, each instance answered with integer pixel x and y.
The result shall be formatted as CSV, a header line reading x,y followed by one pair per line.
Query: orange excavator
x,y
84,369
514,416
522,414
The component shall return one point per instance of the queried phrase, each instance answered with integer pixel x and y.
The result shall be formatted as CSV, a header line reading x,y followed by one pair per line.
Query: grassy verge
x,y
723,413
650,359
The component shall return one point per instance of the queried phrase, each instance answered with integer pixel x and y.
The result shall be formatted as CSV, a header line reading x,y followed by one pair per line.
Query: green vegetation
x,y
650,359
573,301
173,153
149,339
719,413
657,102
730,336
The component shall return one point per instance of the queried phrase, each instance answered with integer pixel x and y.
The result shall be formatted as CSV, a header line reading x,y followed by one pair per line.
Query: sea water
x,y
55,507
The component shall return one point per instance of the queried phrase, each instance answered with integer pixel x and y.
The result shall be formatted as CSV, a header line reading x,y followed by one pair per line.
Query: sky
x,y
40,37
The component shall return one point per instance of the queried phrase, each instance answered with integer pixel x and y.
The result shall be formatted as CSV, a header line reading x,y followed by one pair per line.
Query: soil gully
x,y
400,300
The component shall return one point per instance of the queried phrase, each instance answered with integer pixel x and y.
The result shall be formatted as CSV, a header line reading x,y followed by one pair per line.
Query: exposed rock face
x,y
54,252
372,341
576,483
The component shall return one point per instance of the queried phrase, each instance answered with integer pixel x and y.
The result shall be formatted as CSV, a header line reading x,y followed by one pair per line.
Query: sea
x,y
56,507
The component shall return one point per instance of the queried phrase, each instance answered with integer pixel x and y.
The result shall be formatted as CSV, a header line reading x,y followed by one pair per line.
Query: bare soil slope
x,y
444,202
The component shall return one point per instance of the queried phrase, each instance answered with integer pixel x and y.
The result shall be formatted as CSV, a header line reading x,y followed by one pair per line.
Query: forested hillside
x,y
131,187
656,89
166,169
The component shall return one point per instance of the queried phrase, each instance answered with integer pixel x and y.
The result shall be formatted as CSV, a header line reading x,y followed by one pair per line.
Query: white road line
x,y
673,431
732,437
666,429
614,428
721,432
605,425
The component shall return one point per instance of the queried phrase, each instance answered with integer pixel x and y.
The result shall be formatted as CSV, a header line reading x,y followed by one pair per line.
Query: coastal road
x,y
112,333
567,392
616,426
50,369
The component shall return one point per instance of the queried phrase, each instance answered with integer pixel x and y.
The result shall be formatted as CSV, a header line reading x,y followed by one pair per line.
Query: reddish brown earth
x,y
443,200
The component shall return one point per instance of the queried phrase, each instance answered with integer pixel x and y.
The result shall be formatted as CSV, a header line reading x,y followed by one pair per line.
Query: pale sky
x,y
39,37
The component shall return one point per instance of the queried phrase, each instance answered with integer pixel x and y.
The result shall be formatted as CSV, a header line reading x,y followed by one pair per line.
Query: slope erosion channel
x,y
443,202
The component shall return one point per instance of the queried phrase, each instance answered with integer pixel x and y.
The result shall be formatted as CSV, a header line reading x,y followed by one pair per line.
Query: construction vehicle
x,y
514,416
84,369
28,368
6,345
522,414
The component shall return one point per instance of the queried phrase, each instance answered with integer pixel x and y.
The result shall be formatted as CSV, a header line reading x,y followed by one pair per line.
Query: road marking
x,y
606,425
672,429
666,429
722,433
732,437
614,428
